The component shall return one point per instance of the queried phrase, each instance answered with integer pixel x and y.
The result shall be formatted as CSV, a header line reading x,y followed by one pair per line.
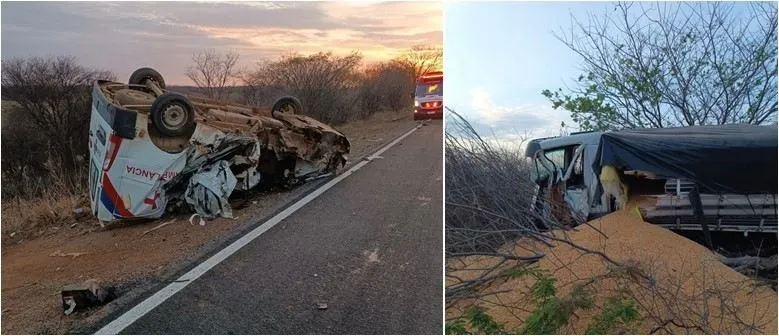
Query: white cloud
x,y
524,120
483,104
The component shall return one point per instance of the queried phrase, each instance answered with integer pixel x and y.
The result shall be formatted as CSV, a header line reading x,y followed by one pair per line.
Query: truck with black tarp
x,y
701,178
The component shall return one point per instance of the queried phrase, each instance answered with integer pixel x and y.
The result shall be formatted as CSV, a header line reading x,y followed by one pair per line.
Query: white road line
x,y
156,299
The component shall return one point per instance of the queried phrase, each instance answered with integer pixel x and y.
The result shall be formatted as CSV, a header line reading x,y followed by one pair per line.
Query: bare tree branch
x,y
213,72
680,64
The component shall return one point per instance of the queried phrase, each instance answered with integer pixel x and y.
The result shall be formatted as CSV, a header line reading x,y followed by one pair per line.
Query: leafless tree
x,y
54,93
212,72
674,64
421,59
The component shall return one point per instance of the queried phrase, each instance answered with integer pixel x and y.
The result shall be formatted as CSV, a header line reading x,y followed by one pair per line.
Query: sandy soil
x,y
687,282
126,257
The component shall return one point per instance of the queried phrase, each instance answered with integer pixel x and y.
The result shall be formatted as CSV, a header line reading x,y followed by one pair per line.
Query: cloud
x,y
513,124
121,36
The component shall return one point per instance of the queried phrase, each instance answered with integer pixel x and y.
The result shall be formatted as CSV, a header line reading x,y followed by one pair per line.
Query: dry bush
x,y
53,97
387,85
23,161
45,135
488,192
336,89
325,84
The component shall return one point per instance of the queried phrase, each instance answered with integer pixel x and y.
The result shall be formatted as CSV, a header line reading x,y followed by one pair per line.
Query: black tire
x,y
173,114
141,75
287,105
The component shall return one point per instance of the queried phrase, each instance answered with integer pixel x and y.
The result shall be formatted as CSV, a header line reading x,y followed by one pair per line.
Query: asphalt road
x,y
370,249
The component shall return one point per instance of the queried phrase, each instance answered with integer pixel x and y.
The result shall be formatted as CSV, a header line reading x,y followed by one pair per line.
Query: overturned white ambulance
x,y
151,148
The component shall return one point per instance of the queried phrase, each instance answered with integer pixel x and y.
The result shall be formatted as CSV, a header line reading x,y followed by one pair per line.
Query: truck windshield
x,y
556,157
430,89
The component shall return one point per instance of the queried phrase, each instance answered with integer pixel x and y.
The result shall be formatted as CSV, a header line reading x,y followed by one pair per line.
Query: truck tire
x,y
141,75
173,114
287,105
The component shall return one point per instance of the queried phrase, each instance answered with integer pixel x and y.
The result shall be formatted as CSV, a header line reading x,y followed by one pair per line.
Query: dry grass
x,y
27,217
30,218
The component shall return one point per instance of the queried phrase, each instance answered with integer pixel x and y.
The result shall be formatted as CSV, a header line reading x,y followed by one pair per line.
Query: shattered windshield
x,y
430,89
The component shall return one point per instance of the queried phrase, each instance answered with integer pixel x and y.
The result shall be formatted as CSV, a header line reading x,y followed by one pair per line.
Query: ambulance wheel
x,y
173,114
287,105
140,76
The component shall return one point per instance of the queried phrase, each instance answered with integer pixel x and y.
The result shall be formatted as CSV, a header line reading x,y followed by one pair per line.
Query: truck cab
x,y
429,96
567,162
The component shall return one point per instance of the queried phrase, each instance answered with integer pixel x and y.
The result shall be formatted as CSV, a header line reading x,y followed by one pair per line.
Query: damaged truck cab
x,y
151,148
567,164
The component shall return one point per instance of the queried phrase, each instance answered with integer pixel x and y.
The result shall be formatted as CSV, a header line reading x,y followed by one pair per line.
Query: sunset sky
x,y
123,36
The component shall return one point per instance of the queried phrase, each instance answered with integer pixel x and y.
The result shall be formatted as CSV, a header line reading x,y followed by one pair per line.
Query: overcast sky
x,y
123,36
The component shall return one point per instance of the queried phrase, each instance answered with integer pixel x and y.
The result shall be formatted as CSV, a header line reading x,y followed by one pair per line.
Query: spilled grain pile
x,y
679,286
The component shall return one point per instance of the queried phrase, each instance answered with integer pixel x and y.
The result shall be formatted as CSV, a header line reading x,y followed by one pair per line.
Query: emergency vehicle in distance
x,y
429,96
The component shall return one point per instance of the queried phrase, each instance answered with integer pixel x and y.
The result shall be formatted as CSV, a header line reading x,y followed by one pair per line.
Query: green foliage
x,y
589,109
551,312
546,319
478,320
554,312
483,322
457,327
543,289
615,314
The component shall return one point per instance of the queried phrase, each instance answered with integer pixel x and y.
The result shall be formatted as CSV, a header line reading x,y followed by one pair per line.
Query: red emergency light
x,y
432,77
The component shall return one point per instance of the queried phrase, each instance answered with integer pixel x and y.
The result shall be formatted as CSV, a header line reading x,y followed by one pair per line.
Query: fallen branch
x,y
70,254
763,264
158,227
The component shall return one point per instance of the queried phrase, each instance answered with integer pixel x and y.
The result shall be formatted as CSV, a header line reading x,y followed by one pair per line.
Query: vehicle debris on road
x,y
201,221
86,295
152,149
78,212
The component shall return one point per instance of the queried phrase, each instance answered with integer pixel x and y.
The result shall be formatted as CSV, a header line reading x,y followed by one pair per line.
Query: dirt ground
x,y
34,271
688,288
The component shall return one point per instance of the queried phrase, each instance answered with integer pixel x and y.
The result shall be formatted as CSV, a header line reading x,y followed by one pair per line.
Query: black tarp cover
x,y
740,159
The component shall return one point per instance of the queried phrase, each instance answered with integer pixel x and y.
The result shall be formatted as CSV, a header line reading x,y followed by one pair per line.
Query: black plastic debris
x,y
84,296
